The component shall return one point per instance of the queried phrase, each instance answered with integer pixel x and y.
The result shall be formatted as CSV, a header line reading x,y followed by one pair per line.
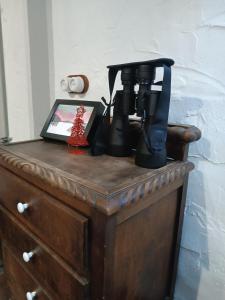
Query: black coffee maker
x,y
149,103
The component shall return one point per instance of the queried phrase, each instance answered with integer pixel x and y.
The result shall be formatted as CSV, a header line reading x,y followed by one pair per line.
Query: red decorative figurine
x,y
77,137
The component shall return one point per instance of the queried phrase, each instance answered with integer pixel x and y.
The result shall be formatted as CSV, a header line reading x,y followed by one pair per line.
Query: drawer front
x,y
63,229
19,281
52,273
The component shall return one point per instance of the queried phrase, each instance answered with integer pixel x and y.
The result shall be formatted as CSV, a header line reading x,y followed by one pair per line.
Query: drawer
x,y
56,278
60,227
19,281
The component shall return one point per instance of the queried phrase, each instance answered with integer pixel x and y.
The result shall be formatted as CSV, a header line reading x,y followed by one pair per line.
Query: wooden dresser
x,y
82,227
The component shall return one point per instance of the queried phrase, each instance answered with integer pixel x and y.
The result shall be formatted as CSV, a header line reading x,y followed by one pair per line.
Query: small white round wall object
x,y
76,84
64,83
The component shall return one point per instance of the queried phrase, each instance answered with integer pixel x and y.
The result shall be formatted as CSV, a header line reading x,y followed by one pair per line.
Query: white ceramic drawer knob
x,y
21,207
27,256
31,295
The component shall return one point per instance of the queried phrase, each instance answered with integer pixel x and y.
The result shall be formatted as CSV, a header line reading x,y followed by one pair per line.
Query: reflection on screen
x,y
63,119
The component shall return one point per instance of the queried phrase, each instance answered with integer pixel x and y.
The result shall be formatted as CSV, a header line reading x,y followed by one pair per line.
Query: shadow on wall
x,y
194,246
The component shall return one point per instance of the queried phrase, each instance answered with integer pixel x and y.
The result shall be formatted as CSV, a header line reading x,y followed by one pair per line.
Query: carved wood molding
x,y
109,203
183,133
165,177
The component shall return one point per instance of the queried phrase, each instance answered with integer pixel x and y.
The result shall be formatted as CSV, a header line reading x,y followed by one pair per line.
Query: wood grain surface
x,y
105,228
109,184
63,229
20,281
54,275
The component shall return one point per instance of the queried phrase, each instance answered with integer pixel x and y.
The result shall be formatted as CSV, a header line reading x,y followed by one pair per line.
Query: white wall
x,y
29,65
39,12
17,68
88,35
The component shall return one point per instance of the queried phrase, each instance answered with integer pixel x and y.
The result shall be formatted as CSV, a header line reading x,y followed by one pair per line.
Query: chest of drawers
x,y
82,227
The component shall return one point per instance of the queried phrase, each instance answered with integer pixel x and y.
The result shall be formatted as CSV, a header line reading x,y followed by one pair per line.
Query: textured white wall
x,y
28,61
17,68
88,35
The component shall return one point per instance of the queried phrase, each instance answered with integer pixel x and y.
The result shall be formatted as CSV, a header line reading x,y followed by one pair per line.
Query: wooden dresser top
x,y
106,182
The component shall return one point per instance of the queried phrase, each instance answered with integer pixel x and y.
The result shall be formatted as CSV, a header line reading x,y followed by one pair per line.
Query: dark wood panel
x,y
128,212
182,191
19,281
60,227
143,251
50,271
98,225
0,252
3,288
